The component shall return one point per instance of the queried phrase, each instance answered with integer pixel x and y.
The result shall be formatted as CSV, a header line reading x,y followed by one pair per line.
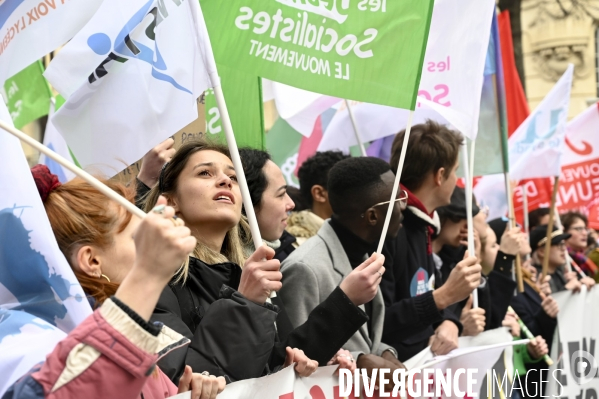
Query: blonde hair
x,y
232,248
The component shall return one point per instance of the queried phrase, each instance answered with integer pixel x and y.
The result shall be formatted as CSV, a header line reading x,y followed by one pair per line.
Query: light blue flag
x,y
40,297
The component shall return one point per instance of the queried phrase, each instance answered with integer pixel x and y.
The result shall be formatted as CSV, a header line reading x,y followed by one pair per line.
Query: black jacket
x,y
496,290
528,306
287,247
234,337
411,314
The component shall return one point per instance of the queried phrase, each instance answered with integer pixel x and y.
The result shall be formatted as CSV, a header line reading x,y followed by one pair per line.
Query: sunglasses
x,y
402,199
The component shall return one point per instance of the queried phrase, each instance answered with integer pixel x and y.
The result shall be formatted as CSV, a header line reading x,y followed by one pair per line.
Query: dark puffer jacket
x,y
234,337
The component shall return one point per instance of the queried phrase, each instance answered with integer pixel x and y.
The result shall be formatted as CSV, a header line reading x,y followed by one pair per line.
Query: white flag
x,y
33,28
451,84
132,76
39,293
536,147
54,141
300,108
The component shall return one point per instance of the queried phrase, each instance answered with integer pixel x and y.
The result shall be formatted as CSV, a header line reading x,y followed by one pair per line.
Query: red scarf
x,y
416,203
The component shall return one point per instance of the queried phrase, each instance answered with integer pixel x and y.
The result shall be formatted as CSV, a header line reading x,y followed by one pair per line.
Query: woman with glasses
x,y
561,279
576,224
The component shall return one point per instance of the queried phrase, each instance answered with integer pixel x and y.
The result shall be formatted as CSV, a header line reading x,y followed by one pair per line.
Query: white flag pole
x,y
97,184
468,177
352,117
243,185
210,65
402,159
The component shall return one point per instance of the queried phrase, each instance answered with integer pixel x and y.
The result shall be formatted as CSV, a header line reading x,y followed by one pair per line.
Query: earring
x,y
105,276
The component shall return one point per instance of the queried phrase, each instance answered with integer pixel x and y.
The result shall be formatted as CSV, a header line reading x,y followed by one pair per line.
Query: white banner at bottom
x,y
477,354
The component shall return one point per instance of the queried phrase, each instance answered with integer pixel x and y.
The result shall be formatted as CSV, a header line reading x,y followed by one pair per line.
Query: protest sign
x,y
339,48
39,294
40,26
575,345
475,352
283,385
480,352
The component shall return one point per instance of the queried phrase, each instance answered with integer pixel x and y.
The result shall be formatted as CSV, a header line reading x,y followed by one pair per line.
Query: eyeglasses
x,y
579,229
560,245
403,202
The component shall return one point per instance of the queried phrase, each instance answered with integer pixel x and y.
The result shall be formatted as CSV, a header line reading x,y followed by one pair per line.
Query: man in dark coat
x,y
359,192
416,314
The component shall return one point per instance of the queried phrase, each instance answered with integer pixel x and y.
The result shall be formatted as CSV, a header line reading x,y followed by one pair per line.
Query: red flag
x,y
517,105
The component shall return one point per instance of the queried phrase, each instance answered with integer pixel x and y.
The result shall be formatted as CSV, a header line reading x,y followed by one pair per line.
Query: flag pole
x,y
210,65
468,169
352,117
97,184
549,229
512,218
529,335
402,159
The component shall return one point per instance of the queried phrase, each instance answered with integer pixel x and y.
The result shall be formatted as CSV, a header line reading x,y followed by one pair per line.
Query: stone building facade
x,y
554,34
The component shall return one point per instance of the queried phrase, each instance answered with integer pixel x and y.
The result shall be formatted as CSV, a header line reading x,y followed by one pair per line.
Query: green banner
x,y
243,95
28,95
365,50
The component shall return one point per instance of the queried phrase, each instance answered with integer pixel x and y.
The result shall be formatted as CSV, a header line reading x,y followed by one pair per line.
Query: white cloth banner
x,y
131,77
480,353
536,147
475,352
451,84
33,28
40,298
54,141
576,346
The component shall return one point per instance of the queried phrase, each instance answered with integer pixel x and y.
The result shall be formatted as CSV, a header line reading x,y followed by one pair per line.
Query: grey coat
x,y
311,273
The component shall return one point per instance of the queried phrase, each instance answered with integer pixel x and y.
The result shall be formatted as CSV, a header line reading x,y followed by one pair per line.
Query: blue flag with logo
x,y
40,298
131,78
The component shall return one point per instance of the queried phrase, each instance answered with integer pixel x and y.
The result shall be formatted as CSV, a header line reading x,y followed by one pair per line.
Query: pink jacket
x,y
108,356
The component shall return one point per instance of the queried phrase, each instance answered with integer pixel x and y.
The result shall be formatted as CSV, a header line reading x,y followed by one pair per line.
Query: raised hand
x,y
362,283
261,275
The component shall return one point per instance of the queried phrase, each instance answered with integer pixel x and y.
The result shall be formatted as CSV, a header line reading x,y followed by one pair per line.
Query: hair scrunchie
x,y
45,180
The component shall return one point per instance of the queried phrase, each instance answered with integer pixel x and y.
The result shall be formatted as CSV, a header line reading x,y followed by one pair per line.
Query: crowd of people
x,y
183,299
